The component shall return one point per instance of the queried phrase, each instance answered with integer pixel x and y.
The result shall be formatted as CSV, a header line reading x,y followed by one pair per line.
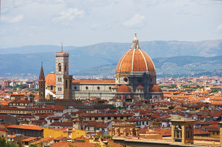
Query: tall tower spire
x,y
62,70
41,75
41,84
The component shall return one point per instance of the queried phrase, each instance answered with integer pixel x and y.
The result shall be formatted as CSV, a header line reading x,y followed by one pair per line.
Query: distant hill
x,y
170,67
27,60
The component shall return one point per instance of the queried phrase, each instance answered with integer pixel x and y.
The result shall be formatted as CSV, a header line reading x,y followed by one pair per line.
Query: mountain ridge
x,y
27,60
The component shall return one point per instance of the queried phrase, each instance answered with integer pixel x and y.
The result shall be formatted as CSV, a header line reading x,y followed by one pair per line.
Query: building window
x,y
75,87
60,68
110,88
98,88
65,67
86,87
59,79
125,80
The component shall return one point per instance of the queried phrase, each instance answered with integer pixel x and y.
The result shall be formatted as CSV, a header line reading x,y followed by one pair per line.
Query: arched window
x,y
60,68
178,133
65,67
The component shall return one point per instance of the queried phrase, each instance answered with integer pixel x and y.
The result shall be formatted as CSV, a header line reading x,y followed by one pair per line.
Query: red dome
x,y
135,60
123,88
155,88
50,79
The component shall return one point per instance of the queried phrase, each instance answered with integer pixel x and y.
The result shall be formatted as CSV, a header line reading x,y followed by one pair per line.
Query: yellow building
x,y
65,132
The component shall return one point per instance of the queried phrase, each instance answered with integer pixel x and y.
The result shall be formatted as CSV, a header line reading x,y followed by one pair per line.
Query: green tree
x,y
20,143
2,141
33,145
10,144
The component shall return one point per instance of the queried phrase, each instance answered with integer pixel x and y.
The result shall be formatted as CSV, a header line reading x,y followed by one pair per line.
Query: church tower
x,y
41,85
62,70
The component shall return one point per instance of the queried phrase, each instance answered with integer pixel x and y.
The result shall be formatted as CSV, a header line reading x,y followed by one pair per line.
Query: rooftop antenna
x,y
62,46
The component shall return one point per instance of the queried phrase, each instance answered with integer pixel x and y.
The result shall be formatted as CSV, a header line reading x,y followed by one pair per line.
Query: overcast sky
x,y
85,22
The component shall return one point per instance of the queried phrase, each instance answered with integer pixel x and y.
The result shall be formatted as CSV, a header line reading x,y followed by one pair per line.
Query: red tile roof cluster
x,y
25,127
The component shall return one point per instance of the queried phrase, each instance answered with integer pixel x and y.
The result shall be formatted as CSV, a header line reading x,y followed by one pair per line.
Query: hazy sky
x,y
85,22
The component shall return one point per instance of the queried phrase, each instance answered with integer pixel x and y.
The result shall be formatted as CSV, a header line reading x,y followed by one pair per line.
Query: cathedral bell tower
x,y
41,85
63,80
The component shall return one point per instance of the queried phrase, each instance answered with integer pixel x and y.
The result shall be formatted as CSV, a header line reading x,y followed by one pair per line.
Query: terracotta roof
x,y
59,138
115,87
105,114
67,124
62,52
29,139
135,60
76,144
44,140
123,88
20,101
26,127
155,88
11,136
50,79
94,81
140,87
57,108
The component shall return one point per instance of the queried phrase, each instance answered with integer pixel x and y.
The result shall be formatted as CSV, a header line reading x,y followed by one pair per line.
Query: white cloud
x,y
70,14
136,21
219,29
14,19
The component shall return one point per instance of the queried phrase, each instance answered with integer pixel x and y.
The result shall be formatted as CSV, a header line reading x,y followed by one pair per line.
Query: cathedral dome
x,y
135,60
155,88
123,88
50,79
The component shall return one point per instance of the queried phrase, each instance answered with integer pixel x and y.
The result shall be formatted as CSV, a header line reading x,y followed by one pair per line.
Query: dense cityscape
x,y
134,109
110,73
